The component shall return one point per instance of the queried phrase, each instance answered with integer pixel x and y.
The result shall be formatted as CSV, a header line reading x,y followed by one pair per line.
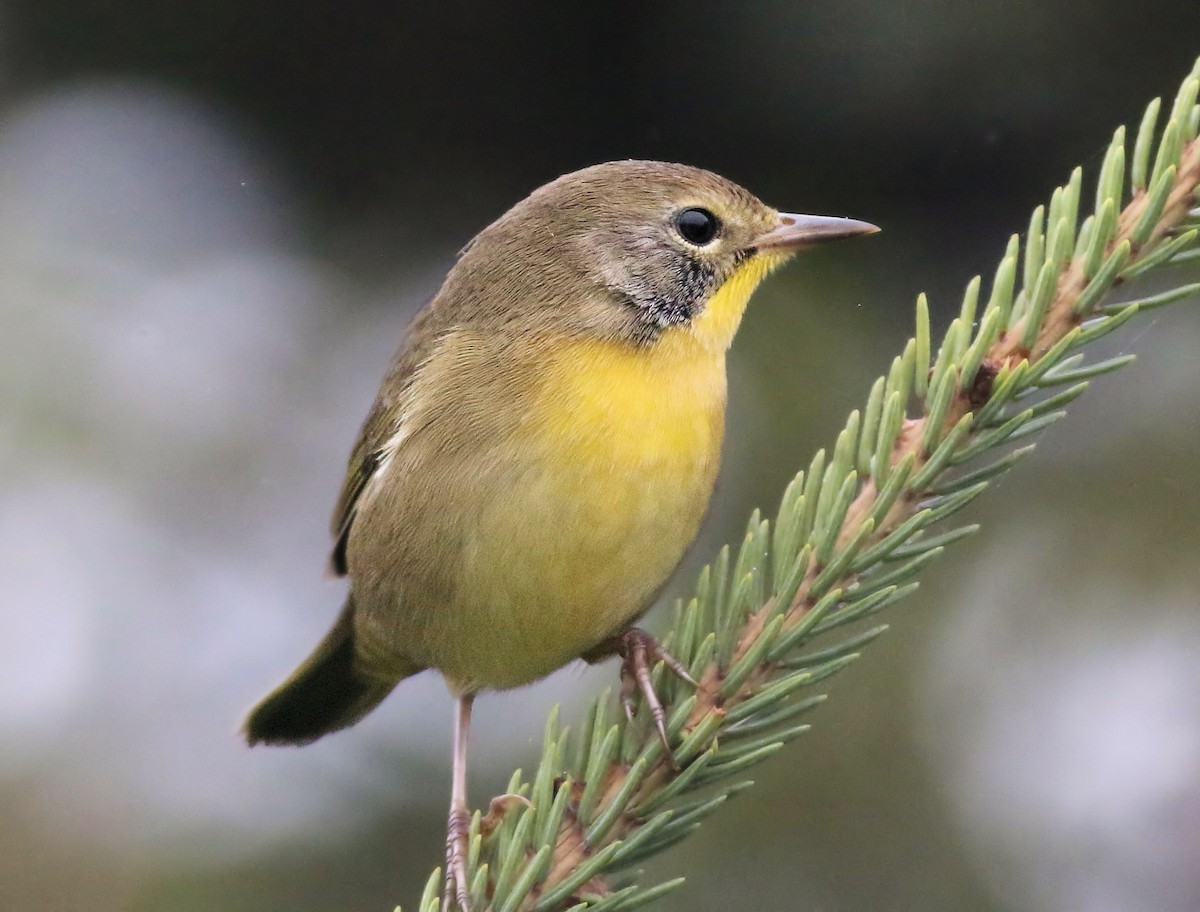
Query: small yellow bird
x,y
542,450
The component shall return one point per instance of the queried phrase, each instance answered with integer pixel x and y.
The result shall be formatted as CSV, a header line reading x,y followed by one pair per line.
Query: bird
x,y
542,451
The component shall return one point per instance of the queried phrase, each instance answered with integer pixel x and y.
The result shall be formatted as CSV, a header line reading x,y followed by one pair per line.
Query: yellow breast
x,y
653,403
623,444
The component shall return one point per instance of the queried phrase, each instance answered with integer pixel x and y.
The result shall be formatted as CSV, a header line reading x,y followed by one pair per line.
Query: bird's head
x,y
638,250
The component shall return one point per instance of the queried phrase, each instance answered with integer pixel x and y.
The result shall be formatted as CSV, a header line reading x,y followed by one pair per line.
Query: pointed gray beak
x,y
797,231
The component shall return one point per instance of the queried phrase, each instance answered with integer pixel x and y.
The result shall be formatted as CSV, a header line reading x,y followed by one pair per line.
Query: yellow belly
x,y
623,456
523,554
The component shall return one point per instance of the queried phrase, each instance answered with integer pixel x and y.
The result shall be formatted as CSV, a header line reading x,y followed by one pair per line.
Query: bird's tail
x,y
329,691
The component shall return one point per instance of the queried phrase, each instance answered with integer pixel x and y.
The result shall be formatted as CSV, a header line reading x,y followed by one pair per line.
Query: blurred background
x,y
217,217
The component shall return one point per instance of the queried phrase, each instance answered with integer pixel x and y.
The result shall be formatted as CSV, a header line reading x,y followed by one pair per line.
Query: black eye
x,y
697,226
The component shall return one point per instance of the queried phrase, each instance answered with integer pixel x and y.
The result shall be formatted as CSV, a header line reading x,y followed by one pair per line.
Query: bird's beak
x,y
795,232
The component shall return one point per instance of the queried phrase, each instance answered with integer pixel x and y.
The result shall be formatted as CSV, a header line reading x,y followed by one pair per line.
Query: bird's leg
x,y
639,651
459,824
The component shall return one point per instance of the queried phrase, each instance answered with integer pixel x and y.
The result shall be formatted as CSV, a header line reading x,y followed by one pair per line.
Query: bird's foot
x,y
458,829
639,651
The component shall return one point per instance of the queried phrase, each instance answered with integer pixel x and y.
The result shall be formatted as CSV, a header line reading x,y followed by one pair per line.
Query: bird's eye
x,y
697,226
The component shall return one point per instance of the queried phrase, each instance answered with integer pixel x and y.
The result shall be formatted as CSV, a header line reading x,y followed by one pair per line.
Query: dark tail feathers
x,y
326,693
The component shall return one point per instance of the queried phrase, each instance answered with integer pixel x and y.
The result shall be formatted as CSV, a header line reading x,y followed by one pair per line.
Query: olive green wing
x,y
360,472
378,431
365,459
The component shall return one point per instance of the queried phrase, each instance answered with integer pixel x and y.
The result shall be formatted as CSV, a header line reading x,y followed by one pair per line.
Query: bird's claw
x,y
638,651
458,829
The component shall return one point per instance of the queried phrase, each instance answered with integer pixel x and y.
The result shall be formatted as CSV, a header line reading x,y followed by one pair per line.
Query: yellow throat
x,y
714,328
647,402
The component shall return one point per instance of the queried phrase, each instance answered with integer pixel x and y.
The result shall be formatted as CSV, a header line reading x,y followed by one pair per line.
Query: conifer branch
x,y
852,533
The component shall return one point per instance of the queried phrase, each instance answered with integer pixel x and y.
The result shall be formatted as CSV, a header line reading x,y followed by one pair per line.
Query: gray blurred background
x,y
215,220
